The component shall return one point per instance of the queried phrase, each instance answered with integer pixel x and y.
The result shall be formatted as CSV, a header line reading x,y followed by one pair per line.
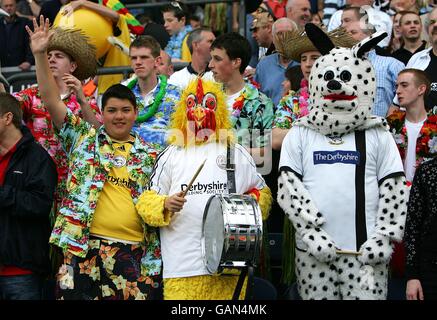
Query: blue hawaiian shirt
x,y
155,129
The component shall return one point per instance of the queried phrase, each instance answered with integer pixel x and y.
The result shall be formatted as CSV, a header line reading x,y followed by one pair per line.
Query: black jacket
x,y
50,9
26,198
158,32
15,48
421,226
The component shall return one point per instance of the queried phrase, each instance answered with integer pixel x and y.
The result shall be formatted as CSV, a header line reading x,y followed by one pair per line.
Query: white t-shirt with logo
x,y
413,130
181,240
328,172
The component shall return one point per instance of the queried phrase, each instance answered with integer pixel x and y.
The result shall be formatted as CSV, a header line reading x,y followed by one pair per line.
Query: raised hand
x,y
40,36
73,84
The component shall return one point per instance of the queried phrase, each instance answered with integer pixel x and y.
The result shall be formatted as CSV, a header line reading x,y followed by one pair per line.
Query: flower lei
x,y
254,83
426,145
303,99
238,104
398,130
156,102
294,106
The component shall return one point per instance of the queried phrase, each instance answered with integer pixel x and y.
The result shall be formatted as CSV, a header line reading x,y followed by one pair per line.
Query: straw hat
x,y
291,44
75,44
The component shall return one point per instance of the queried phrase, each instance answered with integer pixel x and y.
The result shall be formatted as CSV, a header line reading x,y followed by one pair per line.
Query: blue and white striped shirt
x,y
386,72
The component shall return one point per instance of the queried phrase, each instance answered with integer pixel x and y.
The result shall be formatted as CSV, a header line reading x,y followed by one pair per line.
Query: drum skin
x,y
213,235
96,27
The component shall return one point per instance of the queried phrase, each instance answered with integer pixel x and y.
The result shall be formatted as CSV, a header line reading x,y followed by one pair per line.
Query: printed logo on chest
x,y
337,156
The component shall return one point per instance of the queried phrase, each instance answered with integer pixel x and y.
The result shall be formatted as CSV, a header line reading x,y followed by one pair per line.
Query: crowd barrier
x,y
20,80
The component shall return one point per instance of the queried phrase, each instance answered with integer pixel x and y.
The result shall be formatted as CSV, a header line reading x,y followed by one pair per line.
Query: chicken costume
x,y
201,129
341,179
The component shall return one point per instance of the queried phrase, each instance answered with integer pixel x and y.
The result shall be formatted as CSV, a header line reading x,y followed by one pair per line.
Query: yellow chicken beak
x,y
199,115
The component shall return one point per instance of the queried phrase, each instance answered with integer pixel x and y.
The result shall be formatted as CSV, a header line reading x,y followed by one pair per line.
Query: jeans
x,y
23,287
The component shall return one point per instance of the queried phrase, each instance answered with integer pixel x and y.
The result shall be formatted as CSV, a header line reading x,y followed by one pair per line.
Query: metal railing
x,y
14,75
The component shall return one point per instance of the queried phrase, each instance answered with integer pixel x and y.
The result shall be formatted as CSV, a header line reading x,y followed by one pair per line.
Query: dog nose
x,y
334,85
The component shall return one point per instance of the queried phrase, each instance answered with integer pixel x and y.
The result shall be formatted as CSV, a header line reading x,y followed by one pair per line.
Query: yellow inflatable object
x,y
93,25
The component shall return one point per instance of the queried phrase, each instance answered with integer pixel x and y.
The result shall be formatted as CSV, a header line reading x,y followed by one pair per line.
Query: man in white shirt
x,y
412,86
199,42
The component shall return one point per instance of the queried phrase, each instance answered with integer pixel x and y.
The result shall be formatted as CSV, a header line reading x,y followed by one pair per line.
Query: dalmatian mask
x,y
342,85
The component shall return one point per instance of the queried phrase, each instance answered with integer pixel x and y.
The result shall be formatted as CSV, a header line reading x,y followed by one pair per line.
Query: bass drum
x,y
231,232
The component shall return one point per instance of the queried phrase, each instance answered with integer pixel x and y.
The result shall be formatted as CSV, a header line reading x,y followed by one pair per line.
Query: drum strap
x,y
239,284
230,168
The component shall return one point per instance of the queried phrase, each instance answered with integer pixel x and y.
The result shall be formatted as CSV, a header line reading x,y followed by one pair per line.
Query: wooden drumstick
x,y
348,252
191,183
193,178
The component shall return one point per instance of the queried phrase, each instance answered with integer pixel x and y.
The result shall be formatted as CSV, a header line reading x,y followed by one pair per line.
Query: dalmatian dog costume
x,y
341,180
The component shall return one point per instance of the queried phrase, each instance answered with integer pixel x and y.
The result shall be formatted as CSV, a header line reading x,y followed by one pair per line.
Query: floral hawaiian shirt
x,y
252,116
155,129
426,145
90,158
38,120
292,107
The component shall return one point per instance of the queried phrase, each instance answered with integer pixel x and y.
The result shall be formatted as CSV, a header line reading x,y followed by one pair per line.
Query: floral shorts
x,y
110,271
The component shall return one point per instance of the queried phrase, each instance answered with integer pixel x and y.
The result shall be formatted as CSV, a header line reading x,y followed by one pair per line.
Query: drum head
x,y
213,234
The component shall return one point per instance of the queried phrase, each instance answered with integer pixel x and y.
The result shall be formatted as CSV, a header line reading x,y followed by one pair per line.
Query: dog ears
x,y
319,39
368,44
322,42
